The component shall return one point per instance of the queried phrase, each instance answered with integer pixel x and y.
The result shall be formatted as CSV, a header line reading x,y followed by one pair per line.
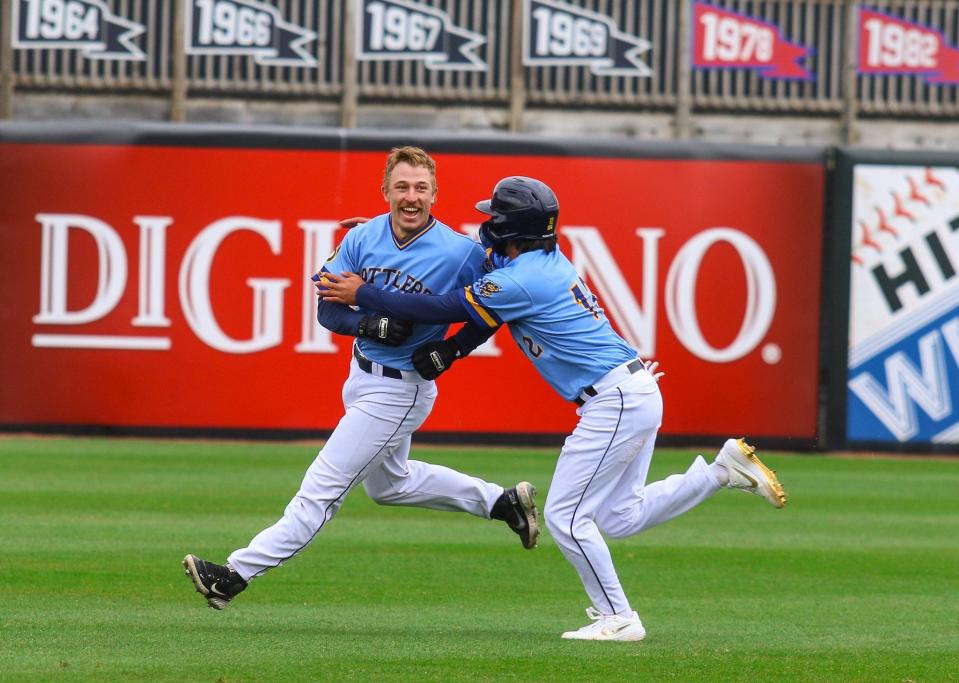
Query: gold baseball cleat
x,y
748,473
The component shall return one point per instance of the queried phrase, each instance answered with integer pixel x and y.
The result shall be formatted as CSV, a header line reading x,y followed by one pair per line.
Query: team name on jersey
x,y
396,278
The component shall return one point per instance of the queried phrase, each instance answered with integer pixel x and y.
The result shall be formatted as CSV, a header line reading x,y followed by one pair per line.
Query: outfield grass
x,y
856,580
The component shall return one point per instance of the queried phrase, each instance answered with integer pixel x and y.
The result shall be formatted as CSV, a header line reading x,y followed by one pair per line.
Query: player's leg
x,y
613,430
368,430
401,481
634,506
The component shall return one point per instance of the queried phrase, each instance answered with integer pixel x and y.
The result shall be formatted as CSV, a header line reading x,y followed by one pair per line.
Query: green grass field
x,y
856,580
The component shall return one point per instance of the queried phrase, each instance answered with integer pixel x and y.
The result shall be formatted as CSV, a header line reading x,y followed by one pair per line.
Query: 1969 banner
x,y
167,284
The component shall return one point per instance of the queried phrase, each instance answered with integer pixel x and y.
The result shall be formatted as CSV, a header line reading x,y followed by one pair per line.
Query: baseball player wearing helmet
x,y
599,486
406,249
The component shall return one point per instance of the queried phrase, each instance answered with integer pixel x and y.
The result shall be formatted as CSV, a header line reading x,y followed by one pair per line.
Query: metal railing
x,y
338,77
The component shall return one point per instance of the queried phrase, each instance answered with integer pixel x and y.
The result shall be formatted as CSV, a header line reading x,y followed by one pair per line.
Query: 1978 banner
x,y
167,286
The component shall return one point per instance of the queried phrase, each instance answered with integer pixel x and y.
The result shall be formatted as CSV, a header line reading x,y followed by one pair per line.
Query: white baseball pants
x,y
599,486
371,444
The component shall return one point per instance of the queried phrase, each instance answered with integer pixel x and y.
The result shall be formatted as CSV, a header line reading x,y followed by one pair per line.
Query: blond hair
x,y
414,156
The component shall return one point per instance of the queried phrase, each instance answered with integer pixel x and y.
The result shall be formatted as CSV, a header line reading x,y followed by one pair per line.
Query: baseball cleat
x,y
748,473
216,582
525,521
609,627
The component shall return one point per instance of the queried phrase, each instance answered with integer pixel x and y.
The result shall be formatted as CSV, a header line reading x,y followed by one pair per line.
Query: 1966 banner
x,y
167,286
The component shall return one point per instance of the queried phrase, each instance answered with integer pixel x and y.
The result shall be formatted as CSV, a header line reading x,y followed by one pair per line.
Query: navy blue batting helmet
x,y
521,209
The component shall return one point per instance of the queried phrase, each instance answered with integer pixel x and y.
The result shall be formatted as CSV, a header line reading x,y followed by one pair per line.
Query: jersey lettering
x,y
586,298
391,277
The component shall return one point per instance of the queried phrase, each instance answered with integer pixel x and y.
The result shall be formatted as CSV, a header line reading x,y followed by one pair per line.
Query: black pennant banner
x,y
401,29
557,33
246,27
85,25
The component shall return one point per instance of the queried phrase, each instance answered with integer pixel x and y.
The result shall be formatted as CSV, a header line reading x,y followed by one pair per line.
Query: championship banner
x,y
723,39
556,33
890,46
246,27
400,29
169,286
86,25
903,374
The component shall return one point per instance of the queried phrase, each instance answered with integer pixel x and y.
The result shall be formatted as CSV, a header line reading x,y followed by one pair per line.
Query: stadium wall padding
x,y
155,277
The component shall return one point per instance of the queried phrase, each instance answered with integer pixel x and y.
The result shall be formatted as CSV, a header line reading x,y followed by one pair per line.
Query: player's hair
x,y
547,245
414,156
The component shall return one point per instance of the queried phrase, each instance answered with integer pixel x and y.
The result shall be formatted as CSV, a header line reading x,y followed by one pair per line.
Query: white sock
x,y
720,473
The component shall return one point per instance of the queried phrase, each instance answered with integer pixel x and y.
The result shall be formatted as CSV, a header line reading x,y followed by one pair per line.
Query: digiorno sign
x,y
180,272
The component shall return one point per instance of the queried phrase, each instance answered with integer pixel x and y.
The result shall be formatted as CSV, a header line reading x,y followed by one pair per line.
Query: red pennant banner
x,y
891,45
729,40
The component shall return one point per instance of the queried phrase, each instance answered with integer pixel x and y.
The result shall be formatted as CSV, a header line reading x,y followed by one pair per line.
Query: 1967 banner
x,y
167,285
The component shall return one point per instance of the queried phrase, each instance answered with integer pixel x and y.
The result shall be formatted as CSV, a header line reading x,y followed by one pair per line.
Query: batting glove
x,y
385,330
434,358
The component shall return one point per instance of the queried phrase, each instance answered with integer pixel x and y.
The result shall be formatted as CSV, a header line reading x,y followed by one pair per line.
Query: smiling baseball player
x,y
406,249
599,486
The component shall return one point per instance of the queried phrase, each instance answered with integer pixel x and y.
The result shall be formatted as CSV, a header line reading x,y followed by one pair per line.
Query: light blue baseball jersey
x,y
553,317
436,260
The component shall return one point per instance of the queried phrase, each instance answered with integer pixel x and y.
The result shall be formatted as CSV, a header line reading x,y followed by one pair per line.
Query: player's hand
x,y
384,329
340,289
434,358
353,222
651,367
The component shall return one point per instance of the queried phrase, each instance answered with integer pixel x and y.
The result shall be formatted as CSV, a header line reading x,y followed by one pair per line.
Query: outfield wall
x,y
155,277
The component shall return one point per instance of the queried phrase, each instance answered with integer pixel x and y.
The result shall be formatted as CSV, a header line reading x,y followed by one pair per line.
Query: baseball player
x,y
599,486
406,249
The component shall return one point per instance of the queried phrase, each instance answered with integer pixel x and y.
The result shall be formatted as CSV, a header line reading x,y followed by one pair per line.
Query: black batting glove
x,y
385,330
434,358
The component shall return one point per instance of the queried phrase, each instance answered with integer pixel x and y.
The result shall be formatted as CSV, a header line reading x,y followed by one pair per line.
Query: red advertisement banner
x,y
168,286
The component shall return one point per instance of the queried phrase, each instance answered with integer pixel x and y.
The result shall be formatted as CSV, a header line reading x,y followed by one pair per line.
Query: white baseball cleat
x,y
609,627
748,473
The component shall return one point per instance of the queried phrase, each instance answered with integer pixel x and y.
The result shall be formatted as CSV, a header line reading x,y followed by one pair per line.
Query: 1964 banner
x,y
167,286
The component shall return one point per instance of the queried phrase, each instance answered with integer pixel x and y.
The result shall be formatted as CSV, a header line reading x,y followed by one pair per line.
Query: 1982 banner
x,y
153,285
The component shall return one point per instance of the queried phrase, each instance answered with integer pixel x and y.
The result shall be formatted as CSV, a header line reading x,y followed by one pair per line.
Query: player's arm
x,y
457,306
342,319
439,309
434,358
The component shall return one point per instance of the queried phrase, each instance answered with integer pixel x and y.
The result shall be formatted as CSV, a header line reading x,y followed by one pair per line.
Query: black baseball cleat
x,y
517,507
216,582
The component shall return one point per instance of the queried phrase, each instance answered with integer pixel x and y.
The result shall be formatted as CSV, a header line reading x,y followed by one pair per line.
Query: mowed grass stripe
x,y
855,580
